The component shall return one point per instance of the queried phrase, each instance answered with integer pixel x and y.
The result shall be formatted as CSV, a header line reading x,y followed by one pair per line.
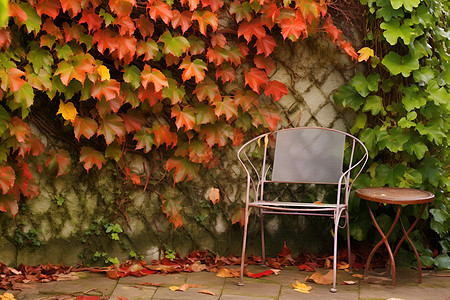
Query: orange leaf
x,y
276,89
194,69
184,169
184,20
293,26
205,18
49,7
214,195
252,28
184,117
228,273
160,9
93,20
59,160
7,178
207,292
265,45
255,78
171,207
90,157
155,76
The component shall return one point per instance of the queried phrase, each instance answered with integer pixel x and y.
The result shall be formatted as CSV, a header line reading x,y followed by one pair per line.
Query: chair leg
x,y
263,246
336,228
244,244
348,243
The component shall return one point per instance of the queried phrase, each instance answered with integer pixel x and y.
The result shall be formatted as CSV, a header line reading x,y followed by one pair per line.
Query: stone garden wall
x,y
79,217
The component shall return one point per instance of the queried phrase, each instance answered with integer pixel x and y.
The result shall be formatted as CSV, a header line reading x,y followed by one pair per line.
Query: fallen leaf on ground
x,y
207,292
343,266
122,298
358,276
184,287
319,278
260,274
349,282
305,267
67,277
301,287
150,284
228,273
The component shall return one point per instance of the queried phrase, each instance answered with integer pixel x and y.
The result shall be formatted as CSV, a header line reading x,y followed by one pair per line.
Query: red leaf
x,y
199,152
293,26
150,94
7,178
155,76
276,89
265,45
205,18
348,48
235,55
238,137
194,69
184,117
217,55
84,126
127,47
270,12
20,130
163,135
252,28
218,40
110,127
265,63
255,78
90,157
207,89
5,38
192,4
184,20
265,116
126,25
15,80
59,160
260,274
332,30
93,21
160,9
49,7
241,10
247,100
37,147
16,12
146,27
238,215
171,208
105,39
305,267
122,8
184,169
214,4
217,133
110,89
133,120
82,297
226,73
73,6
226,107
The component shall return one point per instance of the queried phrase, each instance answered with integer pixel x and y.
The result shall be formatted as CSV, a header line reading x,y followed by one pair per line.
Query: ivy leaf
x,y
245,100
407,4
215,5
60,161
185,117
347,96
207,90
267,116
412,98
145,26
226,73
109,89
174,92
67,110
387,12
90,157
252,28
163,135
199,152
217,133
265,45
110,127
24,96
197,45
73,6
132,75
205,114
183,19
395,139
160,9
374,104
133,120
145,139
255,78
433,130
33,21
39,58
334,32
226,107
397,64
235,55
7,178
417,148
369,138
171,207
194,69
205,18
19,129
174,45
364,54
217,55
276,89
84,126
184,169
92,19
155,76
122,7
113,151
149,49
393,31
293,28
241,10
15,81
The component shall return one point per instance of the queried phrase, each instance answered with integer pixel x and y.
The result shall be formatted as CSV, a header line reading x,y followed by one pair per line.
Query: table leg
x,y
405,236
384,239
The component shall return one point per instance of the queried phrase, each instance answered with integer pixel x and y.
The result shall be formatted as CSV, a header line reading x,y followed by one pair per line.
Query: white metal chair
x,y
306,155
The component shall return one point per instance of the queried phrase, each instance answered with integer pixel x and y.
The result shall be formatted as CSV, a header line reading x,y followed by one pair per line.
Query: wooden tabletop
x,y
395,195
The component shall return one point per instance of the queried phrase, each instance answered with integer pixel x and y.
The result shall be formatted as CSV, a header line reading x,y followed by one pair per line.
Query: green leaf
x,y
174,92
369,138
132,75
4,119
407,4
395,139
424,74
397,64
412,98
386,11
373,80
109,19
359,82
433,130
33,22
25,98
4,13
184,169
174,45
39,57
113,151
145,139
442,261
430,170
347,96
374,104
393,31
360,123
417,148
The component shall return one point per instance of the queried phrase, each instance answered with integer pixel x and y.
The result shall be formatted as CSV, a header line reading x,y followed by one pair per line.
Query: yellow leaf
x,y
173,288
301,287
364,54
67,110
103,72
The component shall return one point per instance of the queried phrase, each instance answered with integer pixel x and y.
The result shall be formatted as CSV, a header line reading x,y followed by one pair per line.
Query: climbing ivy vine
x,y
403,109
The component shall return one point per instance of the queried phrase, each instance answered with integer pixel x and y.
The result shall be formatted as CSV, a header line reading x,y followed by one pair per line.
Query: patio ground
x,y
436,285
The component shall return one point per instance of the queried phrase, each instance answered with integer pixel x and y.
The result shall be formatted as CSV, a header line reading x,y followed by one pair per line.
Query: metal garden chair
x,y
306,155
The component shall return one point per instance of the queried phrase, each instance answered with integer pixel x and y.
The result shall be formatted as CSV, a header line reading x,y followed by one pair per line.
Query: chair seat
x,y
295,206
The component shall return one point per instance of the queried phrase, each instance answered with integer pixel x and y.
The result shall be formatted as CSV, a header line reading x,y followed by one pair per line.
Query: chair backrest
x,y
308,155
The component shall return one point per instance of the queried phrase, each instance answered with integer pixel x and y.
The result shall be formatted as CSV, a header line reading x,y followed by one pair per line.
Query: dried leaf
x,y
207,292
358,276
319,278
228,273
150,284
301,287
214,195
349,282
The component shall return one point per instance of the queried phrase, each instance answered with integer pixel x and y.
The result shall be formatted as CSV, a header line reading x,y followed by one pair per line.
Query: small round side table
x,y
399,197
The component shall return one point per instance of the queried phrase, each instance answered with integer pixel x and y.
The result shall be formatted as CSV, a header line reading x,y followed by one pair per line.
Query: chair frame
x,y
337,210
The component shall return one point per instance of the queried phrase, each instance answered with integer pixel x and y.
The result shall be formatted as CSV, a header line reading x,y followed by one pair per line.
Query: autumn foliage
x,y
180,77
